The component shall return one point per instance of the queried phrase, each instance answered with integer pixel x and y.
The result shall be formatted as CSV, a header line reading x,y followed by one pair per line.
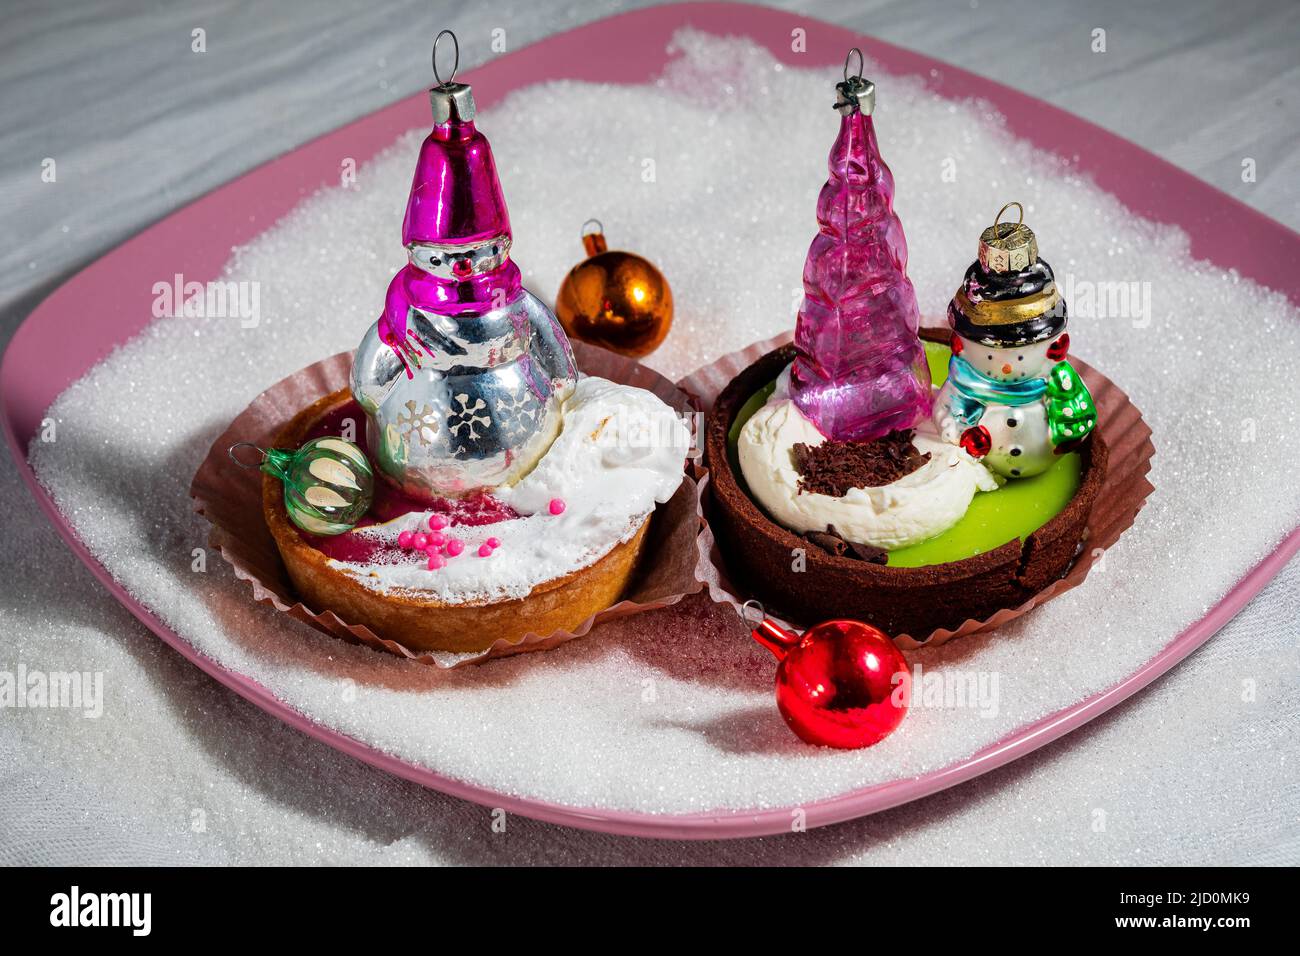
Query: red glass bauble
x,y
841,684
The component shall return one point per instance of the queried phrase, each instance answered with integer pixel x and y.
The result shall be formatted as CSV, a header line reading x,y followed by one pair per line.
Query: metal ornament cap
x,y
1006,246
854,95
452,102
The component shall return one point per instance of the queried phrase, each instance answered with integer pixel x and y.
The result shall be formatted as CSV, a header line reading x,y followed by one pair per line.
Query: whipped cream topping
x,y
619,453
912,509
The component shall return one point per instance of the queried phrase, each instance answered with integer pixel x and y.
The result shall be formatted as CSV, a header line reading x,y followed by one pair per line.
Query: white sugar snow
x,y
717,186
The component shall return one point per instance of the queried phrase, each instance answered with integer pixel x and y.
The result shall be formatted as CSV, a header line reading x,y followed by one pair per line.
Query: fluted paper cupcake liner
x,y
230,498
1124,491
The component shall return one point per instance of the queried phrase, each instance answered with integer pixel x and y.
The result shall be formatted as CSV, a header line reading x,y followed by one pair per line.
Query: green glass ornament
x,y
328,483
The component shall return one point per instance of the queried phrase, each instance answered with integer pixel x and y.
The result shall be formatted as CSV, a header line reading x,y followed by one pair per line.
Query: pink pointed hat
x,y
456,197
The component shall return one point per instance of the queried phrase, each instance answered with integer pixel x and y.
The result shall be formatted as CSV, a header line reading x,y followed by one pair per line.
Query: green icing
x,y
756,401
1015,510
936,356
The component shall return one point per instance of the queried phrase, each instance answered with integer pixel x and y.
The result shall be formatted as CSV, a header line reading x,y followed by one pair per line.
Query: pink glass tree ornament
x,y
859,370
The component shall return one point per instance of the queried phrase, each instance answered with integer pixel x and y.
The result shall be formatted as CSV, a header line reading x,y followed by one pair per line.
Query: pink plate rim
x,y
195,241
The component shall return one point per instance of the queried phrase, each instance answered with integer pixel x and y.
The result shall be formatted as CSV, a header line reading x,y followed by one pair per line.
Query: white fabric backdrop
x,y
111,92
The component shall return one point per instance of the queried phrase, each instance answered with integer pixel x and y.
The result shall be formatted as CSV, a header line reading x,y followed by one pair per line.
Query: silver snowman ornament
x,y
463,376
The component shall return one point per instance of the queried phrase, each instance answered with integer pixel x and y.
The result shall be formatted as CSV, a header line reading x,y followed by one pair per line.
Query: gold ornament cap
x,y
594,241
1008,247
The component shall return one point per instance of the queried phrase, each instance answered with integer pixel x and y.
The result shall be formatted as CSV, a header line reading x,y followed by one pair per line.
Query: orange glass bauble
x,y
616,300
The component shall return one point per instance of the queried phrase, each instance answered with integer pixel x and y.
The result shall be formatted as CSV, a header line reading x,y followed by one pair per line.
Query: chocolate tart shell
x,y
760,554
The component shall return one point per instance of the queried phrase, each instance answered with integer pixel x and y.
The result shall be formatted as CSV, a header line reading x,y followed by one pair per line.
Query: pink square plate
x,y
41,360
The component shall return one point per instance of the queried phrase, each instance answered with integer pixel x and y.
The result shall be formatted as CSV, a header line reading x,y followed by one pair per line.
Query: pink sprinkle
x,y
455,546
437,537
420,542
494,542
436,561
437,522
485,551
557,506
404,539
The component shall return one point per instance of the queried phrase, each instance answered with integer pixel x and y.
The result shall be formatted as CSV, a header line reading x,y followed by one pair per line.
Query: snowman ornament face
x,y
1012,439
1006,365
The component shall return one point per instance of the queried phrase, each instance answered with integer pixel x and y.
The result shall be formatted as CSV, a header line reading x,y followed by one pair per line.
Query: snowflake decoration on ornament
x,y
517,413
418,424
465,416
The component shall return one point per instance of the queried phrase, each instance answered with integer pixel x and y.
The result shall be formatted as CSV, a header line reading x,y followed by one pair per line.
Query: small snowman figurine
x,y
1011,398
464,374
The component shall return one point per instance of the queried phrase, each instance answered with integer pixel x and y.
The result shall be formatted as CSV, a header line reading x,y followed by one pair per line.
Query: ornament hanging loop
x,y
232,452
594,241
755,606
455,66
451,102
997,220
848,58
765,631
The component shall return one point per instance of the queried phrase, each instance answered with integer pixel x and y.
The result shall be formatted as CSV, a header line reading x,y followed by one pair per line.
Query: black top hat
x,y
1008,297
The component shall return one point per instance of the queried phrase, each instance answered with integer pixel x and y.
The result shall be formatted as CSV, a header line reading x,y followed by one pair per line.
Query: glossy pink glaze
x,y
456,194
41,360
455,200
